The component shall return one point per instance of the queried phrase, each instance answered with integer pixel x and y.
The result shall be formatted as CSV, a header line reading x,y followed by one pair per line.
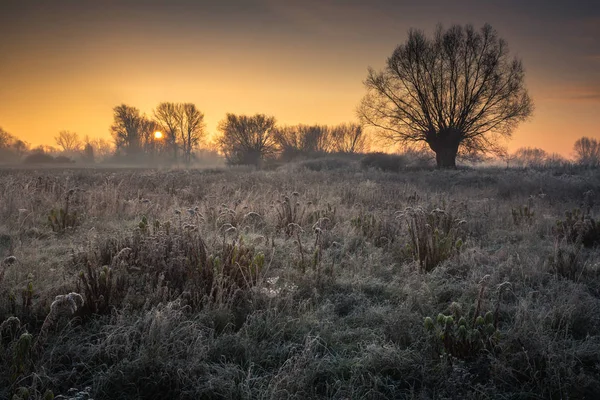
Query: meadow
x,y
315,280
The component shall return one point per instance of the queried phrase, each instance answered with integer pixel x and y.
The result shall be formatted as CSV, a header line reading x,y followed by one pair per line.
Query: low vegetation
x,y
310,281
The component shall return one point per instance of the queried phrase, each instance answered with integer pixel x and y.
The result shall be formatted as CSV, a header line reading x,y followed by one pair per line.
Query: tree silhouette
x,y
191,128
455,92
20,147
167,117
127,129
530,157
147,127
247,139
587,151
68,141
102,148
349,138
303,140
6,139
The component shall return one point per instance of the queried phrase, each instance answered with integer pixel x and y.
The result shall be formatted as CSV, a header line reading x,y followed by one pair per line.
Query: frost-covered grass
x,y
332,282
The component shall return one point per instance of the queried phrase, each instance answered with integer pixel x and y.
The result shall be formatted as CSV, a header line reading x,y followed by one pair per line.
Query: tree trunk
x,y
446,157
445,146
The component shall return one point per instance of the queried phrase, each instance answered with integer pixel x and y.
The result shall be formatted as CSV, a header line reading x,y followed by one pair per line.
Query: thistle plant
x,y
523,215
434,236
8,330
143,225
578,227
452,336
61,219
97,287
63,305
22,355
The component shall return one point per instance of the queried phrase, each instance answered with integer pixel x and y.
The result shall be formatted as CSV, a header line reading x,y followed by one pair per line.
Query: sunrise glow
x,y
301,62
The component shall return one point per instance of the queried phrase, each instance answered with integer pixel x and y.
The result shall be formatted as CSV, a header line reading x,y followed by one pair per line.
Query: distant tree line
x,y
455,94
586,152
175,130
255,139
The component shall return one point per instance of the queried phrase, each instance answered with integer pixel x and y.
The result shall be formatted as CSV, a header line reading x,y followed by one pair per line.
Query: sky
x,y
65,64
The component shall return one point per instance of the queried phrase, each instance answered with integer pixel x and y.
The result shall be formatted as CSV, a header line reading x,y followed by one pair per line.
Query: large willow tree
x,y
456,92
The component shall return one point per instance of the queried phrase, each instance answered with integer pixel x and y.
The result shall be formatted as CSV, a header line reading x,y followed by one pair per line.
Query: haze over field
x,y
66,64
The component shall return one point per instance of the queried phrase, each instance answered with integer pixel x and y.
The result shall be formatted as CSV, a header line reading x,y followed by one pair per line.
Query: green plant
x,y
144,226
434,236
452,335
22,361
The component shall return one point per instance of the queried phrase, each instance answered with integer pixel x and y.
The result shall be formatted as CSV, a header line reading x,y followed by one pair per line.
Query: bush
x,y
326,164
146,269
39,158
384,162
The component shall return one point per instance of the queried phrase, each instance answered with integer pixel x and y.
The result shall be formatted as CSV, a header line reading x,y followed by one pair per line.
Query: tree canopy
x,y
455,92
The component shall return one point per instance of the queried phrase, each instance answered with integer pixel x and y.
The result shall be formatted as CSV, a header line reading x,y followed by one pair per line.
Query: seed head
x,y
9,260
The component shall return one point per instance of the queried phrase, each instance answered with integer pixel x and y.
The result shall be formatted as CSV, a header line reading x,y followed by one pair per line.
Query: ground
x,y
308,281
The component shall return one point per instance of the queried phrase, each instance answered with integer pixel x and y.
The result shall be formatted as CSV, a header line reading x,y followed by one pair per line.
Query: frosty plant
x,y
578,227
453,336
63,305
523,214
62,218
289,213
434,236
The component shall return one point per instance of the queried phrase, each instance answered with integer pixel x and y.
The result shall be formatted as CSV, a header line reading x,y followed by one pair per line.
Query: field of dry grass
x,y
309,281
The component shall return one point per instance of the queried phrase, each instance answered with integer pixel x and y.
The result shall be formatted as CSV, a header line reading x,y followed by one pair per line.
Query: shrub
x,y
148,269
384,162
39,158
326,164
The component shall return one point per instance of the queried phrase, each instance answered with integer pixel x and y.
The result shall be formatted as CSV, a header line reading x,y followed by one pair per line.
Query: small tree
x,y
6,139
349,138
191,128
455,92
167,116
587,151
10,147
247,139
68,141
88,150
126,129
530,157
102,149
303,140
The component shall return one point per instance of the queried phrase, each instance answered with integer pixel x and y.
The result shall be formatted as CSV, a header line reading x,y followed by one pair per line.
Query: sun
x,y
158,135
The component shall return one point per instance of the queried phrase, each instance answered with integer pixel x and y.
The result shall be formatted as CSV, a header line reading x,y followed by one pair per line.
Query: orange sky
x,y
64,65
